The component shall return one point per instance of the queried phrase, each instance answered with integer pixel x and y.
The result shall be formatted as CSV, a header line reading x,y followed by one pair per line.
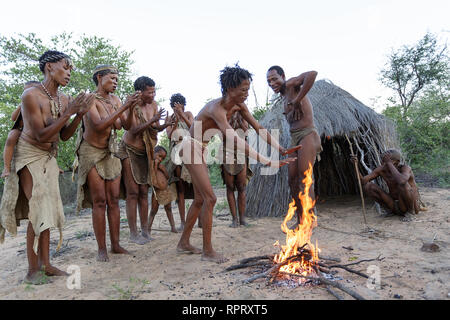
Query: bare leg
x,y
241,180
43,257
153,212
131,202
230,184
203,190
168,209
112,200
143,210
379,195
97,188
181,202
407,201
184,244
306,156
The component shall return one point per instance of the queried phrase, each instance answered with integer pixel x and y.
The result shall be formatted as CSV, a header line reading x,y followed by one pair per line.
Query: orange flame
x,y
301,235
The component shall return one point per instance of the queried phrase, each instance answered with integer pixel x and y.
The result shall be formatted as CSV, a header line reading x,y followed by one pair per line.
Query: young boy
x,y
14,134
163,193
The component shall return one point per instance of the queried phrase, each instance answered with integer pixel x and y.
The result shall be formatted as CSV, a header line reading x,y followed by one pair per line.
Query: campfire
x,y
299,256
297,263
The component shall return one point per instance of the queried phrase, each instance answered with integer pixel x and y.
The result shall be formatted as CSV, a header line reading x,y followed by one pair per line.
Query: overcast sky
x,y
183,45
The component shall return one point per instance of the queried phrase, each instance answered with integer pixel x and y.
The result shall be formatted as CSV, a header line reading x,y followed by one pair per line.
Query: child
x,y
163,194
14,134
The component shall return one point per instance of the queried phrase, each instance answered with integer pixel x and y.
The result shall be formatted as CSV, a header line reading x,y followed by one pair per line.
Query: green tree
x,y
19,57
412,68
420,76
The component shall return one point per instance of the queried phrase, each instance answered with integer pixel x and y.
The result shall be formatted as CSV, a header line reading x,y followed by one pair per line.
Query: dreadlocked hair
x,y
177,98
232,77
51,56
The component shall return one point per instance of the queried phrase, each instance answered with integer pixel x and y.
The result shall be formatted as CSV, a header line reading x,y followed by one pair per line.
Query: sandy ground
x,y
156,271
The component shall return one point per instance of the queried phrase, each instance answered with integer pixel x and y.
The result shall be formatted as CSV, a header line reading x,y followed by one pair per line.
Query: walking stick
x,y
359,182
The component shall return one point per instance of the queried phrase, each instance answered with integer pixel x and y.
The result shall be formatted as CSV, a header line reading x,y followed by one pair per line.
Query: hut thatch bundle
x,y
336,114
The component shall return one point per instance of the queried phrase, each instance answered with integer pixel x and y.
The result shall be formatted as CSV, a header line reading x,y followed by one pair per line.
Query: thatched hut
x,y
337,114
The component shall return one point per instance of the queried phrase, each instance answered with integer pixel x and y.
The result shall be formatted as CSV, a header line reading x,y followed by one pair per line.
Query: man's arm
x,y
141,128
223,125
305,81
268,138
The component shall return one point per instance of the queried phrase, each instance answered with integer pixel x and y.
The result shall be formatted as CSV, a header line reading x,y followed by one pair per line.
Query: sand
x,y
156,271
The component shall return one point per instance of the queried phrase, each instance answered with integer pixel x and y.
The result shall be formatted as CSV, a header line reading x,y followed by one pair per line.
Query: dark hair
x,y
160,148
104,69
232,77
142,82
51,56
278,69
177,98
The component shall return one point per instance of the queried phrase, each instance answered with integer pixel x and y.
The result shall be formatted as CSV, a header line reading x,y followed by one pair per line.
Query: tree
x,y
411,69
420,75
19,57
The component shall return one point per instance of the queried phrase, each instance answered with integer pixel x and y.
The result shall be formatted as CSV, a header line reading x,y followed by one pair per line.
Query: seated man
x,y
163,193
403,196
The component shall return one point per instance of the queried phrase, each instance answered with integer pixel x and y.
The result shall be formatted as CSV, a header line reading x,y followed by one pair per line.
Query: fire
x,y
301,235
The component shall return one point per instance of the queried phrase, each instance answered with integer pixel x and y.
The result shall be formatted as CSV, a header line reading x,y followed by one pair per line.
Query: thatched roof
x,y
336,114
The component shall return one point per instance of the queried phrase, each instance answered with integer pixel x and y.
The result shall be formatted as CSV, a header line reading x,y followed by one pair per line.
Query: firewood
x,y
352,293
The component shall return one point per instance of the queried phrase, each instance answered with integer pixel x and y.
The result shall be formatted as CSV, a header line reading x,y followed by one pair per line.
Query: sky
x,y
183,45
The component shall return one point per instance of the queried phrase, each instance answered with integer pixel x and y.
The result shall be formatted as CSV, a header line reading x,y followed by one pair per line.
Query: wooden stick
x,y
359,182
246,265
334,293
247,260
354,294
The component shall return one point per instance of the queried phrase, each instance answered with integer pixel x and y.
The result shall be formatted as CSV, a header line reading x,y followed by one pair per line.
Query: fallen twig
x,y
352,293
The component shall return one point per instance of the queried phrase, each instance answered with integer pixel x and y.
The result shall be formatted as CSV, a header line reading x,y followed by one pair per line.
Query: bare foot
x,y
234,224
36,278
181,227
102,256
244,223
53,271
174,230
147,236
5,173
214,257
119,250
188,249
407,217
138,239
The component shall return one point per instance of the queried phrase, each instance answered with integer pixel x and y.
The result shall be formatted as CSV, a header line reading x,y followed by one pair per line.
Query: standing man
x,y
299,114
215,116
99,171
182,121
31,190
236,173
136,151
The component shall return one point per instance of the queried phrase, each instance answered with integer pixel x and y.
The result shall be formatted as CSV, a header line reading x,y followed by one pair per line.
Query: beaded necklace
x,y
56,109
